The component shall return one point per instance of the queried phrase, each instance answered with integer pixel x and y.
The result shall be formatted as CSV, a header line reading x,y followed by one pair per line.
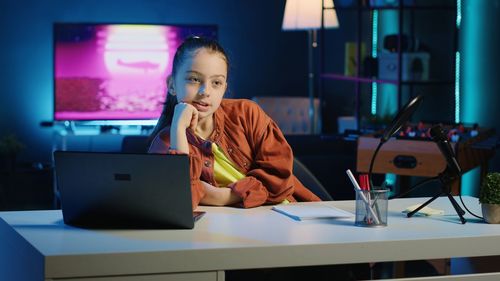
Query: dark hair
x,y
187,48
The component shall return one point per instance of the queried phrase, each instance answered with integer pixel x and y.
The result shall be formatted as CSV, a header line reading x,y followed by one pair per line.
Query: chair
x,y
135,144
291,113
310,181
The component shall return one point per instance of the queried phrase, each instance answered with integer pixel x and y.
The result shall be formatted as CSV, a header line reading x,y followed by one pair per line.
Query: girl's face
x,y
201,81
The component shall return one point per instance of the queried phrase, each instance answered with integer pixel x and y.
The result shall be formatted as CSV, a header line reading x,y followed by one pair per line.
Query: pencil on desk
x,y
365,186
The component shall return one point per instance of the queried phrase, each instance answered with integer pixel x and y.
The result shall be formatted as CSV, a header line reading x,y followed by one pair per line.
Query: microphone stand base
x,y
445,190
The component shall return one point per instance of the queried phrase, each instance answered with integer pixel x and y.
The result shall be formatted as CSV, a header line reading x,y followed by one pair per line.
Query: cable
x,y
373,161
414,187
461,200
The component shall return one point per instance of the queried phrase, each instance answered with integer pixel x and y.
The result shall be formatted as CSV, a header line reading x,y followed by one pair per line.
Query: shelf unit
x,y
405,25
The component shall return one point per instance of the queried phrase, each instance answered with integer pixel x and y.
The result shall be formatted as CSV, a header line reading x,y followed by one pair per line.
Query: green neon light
x,y
387,103
374,98
374,55
457,87
457,66
375,34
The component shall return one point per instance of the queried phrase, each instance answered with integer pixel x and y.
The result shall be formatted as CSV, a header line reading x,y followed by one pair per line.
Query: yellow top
x,y
225,171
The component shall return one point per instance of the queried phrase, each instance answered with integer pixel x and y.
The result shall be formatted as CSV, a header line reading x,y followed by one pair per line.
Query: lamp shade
x,y
306,15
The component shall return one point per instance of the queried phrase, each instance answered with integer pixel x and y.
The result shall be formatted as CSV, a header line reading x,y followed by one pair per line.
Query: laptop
x,y
116,190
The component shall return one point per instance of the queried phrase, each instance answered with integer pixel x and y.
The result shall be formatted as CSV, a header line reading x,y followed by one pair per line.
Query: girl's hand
x,y
218,196
185,116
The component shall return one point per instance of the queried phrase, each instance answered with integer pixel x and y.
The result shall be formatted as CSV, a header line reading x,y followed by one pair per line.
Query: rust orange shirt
x,y
255,144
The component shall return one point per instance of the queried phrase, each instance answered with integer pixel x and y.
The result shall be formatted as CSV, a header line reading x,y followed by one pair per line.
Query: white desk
x,y
36,245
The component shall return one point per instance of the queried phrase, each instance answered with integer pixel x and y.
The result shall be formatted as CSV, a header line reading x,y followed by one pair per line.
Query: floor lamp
x,y
307,15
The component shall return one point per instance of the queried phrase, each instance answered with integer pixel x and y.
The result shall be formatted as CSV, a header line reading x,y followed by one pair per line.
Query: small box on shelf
x,y
415,66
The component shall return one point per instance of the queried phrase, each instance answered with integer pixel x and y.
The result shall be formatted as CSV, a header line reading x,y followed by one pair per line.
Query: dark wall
x,y
265,60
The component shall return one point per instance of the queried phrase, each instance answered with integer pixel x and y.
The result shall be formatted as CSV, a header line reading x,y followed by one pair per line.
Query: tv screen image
x,y
115,71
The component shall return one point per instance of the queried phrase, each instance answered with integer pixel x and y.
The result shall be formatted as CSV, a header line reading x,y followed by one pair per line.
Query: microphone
x,y
439,137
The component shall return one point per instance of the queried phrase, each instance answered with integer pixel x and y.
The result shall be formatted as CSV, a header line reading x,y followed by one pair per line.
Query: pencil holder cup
x,y
371,207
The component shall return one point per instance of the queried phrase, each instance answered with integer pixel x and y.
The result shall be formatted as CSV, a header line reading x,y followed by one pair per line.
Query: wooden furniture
x,y
36,245
422,158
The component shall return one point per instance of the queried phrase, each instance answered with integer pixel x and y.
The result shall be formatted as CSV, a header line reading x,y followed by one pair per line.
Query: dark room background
x,y
265,61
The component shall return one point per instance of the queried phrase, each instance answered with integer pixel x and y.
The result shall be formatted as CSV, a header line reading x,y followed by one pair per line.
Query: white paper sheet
x,y
307,212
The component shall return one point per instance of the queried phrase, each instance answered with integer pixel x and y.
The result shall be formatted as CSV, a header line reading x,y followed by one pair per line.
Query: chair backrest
x,y
310,181
135,144
291,113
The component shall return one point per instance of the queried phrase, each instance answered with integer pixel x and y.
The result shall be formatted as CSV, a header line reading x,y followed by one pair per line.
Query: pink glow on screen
x,y
113,72
135,50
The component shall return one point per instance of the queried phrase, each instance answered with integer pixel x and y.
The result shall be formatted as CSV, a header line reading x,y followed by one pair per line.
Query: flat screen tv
x,y
115,71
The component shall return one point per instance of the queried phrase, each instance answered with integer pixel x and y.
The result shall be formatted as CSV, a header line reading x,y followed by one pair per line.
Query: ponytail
x,y
166,116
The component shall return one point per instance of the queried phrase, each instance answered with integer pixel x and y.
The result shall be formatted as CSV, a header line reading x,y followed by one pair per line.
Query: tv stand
x,y
100,127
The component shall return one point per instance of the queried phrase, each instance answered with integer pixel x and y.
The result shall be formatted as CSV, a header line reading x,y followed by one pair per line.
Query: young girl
x,y
238,155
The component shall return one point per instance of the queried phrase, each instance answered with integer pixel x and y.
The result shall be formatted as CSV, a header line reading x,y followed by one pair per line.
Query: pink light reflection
x,y
135,49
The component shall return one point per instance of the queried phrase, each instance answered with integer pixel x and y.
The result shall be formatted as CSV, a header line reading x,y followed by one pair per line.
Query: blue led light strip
x,y
457,66
374,55
457,87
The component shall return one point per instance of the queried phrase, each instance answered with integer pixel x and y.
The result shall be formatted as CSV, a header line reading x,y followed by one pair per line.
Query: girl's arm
x,y
218,196
178,140
185,116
